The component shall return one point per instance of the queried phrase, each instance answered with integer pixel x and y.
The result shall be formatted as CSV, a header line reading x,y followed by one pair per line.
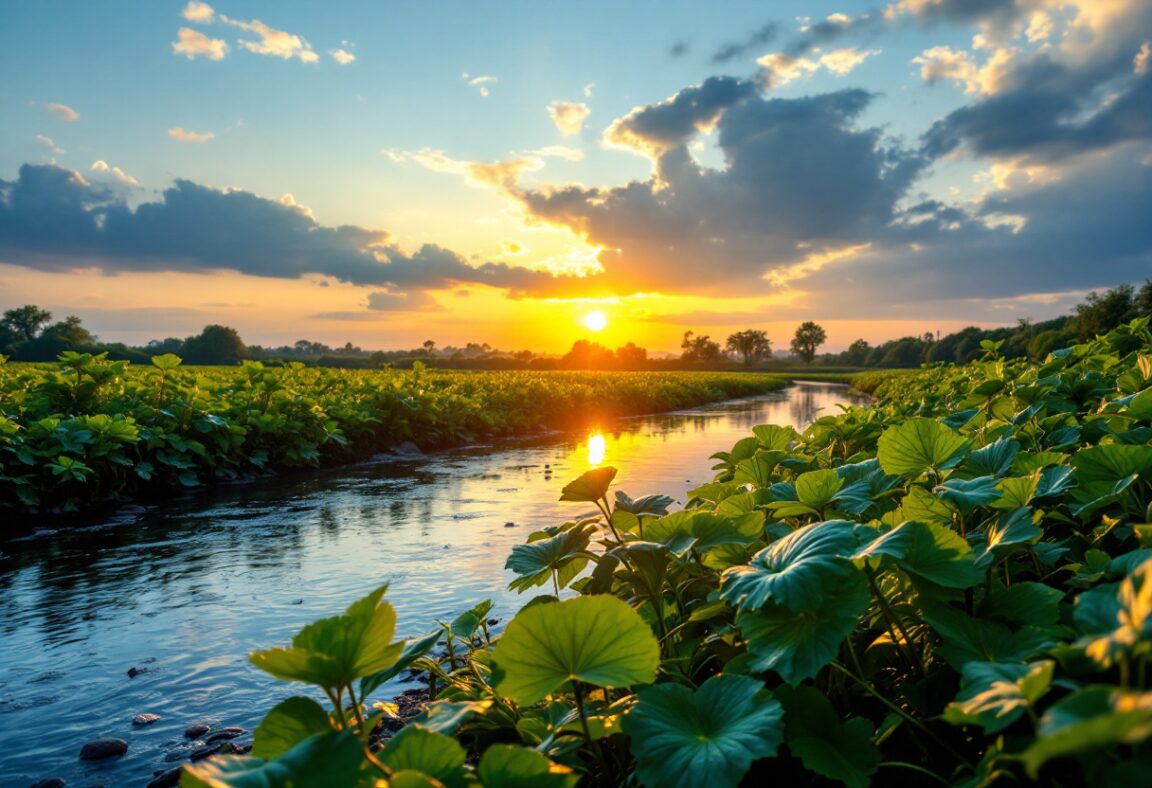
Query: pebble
x,y
144,719
103,748
167,779
231,732
196,730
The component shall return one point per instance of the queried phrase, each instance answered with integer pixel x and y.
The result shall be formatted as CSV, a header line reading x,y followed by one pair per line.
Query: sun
x,y
595,321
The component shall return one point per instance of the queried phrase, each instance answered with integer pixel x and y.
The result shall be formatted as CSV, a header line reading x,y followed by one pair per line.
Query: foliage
x,y
751,345
808,337
952,586
699,348
87,430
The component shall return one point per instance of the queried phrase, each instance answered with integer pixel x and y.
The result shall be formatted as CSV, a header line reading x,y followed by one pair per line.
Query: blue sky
x,y
678,181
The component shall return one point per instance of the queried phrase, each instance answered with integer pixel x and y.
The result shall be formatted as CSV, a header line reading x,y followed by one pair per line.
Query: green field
x,y
952,586
87,430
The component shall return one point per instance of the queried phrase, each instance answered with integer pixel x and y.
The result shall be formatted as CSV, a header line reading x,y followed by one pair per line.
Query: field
x,y
87,430
953,586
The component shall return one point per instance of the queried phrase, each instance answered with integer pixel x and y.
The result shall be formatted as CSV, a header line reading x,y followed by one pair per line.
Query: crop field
x,y
953,586
87,430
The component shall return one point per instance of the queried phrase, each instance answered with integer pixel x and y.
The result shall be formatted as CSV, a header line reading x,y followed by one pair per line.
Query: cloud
x,y
114,173
500,175
193,44
569,116
482,82
63,111
734,49
341,56
52,219
201,13
385,301
783,68
183,135
678,49
272,42
50,143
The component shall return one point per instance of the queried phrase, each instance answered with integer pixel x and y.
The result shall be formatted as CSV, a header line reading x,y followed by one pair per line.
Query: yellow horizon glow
x,y
595,321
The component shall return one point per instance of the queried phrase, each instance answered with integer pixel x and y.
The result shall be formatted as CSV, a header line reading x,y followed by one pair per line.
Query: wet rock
x,y
297,602
509,524
200,753
135,671
49,782
181,753
167,779
410,449
196,730
144,719
493,622
231,732
98,749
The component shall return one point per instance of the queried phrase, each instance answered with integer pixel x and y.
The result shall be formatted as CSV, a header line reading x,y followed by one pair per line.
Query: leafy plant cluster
x,y
88,429
953,586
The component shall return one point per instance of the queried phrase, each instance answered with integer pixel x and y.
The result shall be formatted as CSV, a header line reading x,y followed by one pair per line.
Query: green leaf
x,y
995,459
590,487
927,550
775,437
798,645
445,716
1010,531
509,766
599,640
814,732
967,639
413,650
1016,491
418,749
1140,406
918,445
817,489
993,695
327,759
1100,468
288,723
565,553
1117,619
924,507
791,571
166,361
1095,717
334,652
683,739
466,624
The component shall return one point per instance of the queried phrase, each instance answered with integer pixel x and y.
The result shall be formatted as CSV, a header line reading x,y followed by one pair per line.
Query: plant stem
x,y
335,700
356,709
904,643
578,691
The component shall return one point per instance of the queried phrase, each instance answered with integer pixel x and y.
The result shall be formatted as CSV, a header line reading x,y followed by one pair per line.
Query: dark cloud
x,y
800,179
678,49
52,219
755,40
403,302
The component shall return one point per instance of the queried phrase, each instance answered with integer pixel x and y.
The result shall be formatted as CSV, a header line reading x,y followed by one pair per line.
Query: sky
x,y
384,173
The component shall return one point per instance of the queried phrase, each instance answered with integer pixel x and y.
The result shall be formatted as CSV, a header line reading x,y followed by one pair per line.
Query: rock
x,y
200,753
196,730
509,525
181,753
409,448
493,622
297,602
103,748
49,782
231,732
134,671
144,719
167,779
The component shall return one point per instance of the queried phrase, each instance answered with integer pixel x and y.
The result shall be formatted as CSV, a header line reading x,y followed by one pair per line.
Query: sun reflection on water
x,y
596,448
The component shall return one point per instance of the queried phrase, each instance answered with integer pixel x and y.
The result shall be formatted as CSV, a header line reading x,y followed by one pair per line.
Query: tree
x,y
1099,314
750,345
809,336
216,344
23,323
699,348
631,356
68,334
588,355
429,346
1143,302
857,354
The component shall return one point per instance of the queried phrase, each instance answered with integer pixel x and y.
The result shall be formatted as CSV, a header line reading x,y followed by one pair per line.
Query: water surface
x,y
187,589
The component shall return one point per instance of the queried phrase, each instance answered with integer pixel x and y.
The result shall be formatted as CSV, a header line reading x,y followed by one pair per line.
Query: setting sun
x,y
595,321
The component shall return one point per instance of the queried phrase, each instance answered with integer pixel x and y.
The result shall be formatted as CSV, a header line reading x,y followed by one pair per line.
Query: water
x,y
187,589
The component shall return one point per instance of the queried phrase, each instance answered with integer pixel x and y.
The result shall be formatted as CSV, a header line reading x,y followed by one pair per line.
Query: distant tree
x,y
906,352
631,356
700,348
1143,301
429,346
588,355
23,323
68,334
1099,314
750,345
216,344
809,336
158,347
857,354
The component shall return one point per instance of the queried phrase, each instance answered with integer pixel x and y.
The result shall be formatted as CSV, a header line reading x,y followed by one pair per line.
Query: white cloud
x,y
115,173
558,152
193,44
588,89
1143,59
341,56
50,143
183,135
481,82
842,62
944,62
569,116
63,111
199,12
273,42
787,68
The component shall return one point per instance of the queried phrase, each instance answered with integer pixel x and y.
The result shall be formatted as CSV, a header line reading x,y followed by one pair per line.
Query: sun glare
x,y
595,321
596,449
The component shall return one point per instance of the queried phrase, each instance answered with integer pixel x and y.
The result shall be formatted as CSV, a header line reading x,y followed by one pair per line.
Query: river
x,y
186,589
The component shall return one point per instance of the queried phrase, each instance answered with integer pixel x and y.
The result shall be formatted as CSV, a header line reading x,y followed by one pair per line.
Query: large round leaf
x,y
326,759
509,766
792,571
913,447
815,734
590,487
565,554
418,749
708,737
798,645
599,640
